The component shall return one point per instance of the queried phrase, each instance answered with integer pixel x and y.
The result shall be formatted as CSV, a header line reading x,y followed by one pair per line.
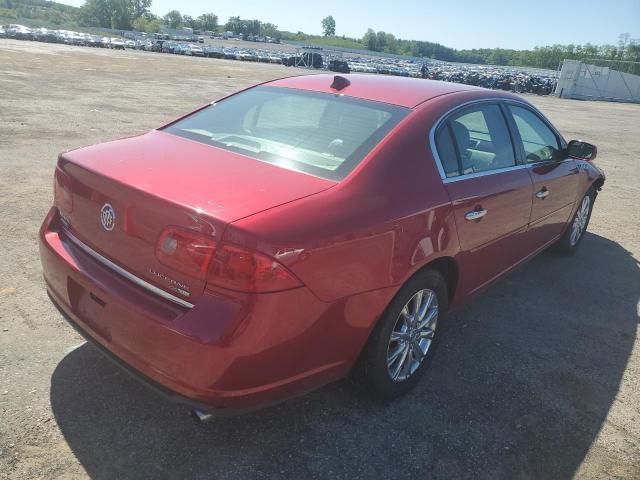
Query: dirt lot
x,y
538,378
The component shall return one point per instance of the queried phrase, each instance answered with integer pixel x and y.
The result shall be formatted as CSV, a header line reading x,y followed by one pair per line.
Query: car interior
x,y
475,140
316,134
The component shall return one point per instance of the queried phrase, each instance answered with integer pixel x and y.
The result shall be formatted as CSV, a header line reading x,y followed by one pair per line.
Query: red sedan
x,y
268,243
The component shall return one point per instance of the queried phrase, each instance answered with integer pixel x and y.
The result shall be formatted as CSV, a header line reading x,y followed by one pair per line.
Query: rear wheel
x,y
399,348
570,241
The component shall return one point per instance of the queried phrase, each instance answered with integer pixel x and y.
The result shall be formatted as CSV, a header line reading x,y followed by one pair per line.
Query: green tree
x,y
118,14
189,21
610,52
140,8
370,40
121,17
173,19
147,23
623,40
498,57
253,27
381,40
233,25
328,26
208,21
632,53
96,13
269,30
391,44
244,27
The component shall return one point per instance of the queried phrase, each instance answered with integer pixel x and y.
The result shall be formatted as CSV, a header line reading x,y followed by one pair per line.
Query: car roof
x,y
403,91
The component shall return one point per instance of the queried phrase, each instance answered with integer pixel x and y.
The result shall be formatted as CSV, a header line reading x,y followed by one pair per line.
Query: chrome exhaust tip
x,y
201,417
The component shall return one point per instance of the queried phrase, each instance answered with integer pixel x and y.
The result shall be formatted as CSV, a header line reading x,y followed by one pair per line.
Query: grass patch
x,y
335,42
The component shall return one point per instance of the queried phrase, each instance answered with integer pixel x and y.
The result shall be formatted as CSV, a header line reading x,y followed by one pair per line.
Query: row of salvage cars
x,y
519,80
20,32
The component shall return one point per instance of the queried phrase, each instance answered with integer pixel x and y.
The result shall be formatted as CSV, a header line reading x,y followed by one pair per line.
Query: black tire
x,y
372,368
566,245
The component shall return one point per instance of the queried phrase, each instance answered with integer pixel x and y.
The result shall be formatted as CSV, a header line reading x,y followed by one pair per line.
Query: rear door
x,y
491,193
554,175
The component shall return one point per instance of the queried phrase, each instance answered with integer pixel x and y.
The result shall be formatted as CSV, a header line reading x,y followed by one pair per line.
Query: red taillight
x,y
239,268
62,194
185,251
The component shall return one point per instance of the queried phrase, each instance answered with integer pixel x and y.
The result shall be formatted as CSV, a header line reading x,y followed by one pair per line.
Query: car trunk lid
x,y
159,180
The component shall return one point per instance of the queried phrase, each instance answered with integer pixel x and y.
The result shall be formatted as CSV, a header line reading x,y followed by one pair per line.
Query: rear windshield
x,y
321,134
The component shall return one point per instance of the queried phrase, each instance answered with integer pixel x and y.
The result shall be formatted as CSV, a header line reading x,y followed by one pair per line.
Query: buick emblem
x,y
107,217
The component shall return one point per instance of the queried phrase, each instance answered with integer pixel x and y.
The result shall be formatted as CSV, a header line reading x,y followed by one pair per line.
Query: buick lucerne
x,y
275,240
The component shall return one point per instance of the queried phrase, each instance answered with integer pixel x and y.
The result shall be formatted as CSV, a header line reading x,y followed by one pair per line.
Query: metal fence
x,y
613,81
623,66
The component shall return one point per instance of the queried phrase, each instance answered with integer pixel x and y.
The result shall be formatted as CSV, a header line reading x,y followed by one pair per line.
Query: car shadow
x,y
520,386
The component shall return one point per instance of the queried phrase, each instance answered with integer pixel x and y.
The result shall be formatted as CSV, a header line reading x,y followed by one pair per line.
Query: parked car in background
x,y
247,56
213,52
117,44
180,49
194,50
39,34
268,243
3,33
19,32
94,41
229,54
130,44
168,47
77,39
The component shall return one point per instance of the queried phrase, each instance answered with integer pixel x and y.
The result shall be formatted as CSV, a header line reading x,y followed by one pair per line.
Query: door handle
x,y
475,214
542,194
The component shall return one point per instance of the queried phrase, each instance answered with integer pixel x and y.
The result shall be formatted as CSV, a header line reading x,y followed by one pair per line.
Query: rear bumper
x,y
230,351
148,382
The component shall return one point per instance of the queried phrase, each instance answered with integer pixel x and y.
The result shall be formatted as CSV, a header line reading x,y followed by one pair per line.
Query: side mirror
x,y
581,150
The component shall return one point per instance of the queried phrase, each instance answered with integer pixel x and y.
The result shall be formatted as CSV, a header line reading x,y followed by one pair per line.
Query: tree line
x,y
50,13
539,57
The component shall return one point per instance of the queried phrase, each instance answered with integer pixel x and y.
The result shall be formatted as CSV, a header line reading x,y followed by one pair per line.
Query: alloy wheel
x,y
412,335
580,220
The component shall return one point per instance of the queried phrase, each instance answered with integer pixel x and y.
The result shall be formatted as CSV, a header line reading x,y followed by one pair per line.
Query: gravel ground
x,y
537,378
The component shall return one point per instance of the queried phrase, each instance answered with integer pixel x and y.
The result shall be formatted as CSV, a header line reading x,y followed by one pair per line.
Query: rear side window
x,y
322,134
475,140
538,140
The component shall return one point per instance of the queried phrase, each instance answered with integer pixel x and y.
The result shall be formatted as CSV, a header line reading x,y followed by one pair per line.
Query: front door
x,y
491,194
554,175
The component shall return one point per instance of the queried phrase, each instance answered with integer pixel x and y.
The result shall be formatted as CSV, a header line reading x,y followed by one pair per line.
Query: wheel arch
x,y
598,183
445,266
448,268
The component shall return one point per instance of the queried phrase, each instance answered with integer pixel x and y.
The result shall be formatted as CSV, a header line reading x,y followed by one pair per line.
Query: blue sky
x,y
455,23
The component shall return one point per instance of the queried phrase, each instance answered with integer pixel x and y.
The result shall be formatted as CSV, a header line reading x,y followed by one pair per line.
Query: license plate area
x,y
90,308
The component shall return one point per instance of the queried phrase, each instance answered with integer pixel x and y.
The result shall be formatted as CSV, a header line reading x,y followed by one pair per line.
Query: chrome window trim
x,y
129,276
498,101
521,166
485,173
